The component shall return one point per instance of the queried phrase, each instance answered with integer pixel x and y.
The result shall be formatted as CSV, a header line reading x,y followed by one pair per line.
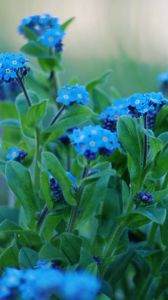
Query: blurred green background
x,y
127,36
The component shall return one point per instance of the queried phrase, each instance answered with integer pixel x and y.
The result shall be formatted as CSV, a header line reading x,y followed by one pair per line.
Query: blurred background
x,y
129,37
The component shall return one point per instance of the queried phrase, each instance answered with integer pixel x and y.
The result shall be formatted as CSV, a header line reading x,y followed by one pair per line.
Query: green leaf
x,y
161,124
9,213
100,100
49,225
45,189
93,84
49,63
19,180
53,165
36,114
160,164
75,116
29,33
142,216
9,257
50,252
8,110
66,24
132,139
8,226
34,48
70,246
27,257
103,297
9,123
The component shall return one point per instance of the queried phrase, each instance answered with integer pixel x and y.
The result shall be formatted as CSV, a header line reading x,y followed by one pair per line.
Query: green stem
x,y
42,216
37,160
152,233
74,210
142,292
20,82
57,115
113,243
145,143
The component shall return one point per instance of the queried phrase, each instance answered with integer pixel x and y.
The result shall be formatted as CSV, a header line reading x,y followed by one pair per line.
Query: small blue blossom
x,y
46,28
16,154
162,78
69,95
111,115
52,37
94,139
12,67
144,197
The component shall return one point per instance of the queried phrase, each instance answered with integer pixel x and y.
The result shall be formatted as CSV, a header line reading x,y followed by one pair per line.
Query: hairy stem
x,y
57,115
145,143
20,82
37,160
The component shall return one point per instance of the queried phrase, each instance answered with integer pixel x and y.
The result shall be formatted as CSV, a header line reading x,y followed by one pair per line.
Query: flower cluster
x,y
45,282
111,114
71,94
57,193
144,197
12,66
143,104
46,28
94,139
16,154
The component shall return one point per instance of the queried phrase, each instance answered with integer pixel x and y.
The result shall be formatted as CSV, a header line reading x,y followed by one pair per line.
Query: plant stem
x,y
57,115
74,210
145,143
152,233
37,160
141,294
54,78
113,243
20,82
42,216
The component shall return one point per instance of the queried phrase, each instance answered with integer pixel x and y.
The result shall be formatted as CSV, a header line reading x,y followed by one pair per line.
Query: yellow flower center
x,y
105,139
8,71
50,39
92,144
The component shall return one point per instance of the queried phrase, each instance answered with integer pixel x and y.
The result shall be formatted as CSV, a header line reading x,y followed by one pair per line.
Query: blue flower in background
x,y
45,282
52,37
94,139
16,154
80,285
12,66
163,77
69,95
46,28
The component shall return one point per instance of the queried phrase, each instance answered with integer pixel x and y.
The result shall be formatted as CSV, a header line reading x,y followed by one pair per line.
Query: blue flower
x,y
142,104
12,66
111,115
56,190
162,78
80,285
144,197
52,37
46,28
15,154
94,139
69,95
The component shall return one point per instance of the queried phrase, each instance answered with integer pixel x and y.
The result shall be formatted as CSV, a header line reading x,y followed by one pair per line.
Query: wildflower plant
x,y
88,178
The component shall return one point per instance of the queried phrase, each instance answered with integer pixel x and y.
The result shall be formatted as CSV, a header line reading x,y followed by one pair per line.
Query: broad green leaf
x,y
54,166
29,33
34,48
132,139
100,100
19,180
75,116
142,216
49,225
93,84
70,246
9,257
35,114
49,63
30,239
9,213
103,297
9,123
8,226
160,164
66,24
27,257
161,124
45,188
50,252
120,265
8,110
